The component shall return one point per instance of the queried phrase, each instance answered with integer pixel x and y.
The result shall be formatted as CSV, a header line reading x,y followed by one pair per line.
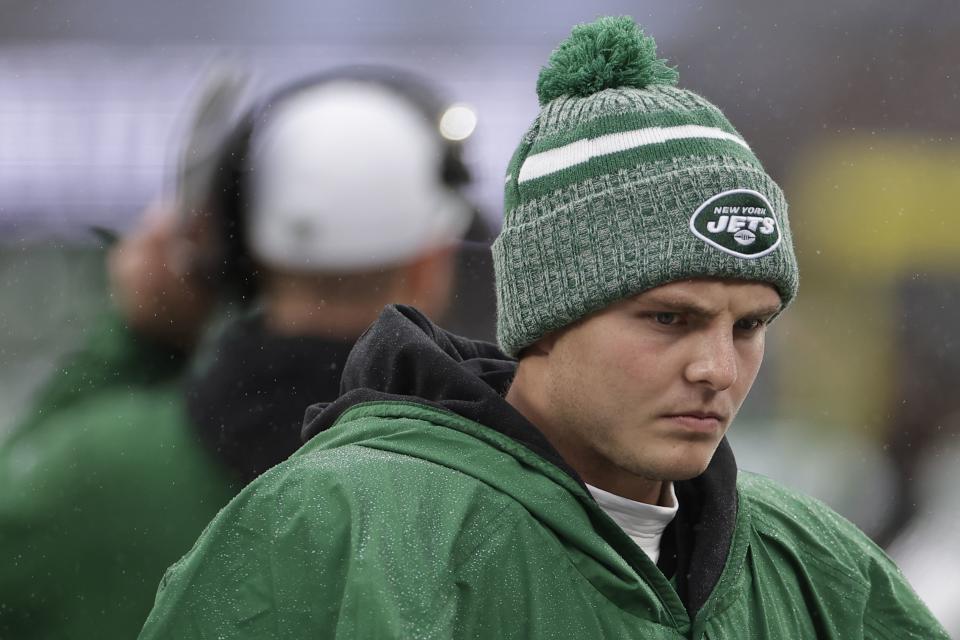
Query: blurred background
x,y
853,107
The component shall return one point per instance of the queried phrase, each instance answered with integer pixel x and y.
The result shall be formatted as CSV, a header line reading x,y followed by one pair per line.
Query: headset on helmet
x,y
228,202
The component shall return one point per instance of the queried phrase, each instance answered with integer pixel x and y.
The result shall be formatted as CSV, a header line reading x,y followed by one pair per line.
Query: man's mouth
x,y
697,420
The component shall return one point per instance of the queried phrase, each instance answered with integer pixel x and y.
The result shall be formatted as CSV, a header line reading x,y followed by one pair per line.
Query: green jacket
x,y
403,518
102,486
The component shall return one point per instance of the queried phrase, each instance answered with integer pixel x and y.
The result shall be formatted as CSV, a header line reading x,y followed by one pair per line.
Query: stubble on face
x,y
607,425
616,390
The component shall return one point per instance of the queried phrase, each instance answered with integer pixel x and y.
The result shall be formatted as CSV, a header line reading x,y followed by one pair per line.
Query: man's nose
x,y
713,362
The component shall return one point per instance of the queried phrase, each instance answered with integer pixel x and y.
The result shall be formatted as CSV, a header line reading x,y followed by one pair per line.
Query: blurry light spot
x,y
458,122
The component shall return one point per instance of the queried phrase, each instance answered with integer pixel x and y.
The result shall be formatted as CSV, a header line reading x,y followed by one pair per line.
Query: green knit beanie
x,y
623,183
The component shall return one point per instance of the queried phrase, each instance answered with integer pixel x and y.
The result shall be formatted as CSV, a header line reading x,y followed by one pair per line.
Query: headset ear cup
x,y
227,264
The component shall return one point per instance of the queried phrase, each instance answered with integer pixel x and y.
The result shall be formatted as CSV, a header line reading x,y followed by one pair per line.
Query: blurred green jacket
x,y
102,487
402,518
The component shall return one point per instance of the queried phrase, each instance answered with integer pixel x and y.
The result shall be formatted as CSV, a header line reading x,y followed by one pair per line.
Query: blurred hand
x,y
151,283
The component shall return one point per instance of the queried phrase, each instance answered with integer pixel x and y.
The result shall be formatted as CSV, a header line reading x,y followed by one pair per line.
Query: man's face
x,y
647,387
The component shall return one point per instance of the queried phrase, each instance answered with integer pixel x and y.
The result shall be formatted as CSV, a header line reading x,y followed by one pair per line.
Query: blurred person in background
x,y
335,197
924,535
103,481
587,490
331,199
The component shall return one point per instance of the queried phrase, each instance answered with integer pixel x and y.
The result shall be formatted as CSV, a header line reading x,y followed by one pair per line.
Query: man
x,y
335,196
104,482
586,492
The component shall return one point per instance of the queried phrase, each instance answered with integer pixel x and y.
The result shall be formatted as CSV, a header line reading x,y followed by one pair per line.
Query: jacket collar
x,y
405,357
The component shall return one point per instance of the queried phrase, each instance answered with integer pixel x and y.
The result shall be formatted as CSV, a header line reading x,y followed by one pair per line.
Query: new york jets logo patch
x,y
739,222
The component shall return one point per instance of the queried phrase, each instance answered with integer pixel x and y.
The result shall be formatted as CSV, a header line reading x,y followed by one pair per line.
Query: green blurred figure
x,y
103,482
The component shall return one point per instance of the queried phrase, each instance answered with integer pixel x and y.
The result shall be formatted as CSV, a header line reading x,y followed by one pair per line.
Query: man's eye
x,y
750,324
665,318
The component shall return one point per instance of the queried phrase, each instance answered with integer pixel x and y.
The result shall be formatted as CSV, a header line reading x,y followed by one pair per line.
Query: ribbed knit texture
x,y
598,228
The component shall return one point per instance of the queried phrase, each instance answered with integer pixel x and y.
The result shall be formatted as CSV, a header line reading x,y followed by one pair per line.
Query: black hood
x,y
405,357
247,402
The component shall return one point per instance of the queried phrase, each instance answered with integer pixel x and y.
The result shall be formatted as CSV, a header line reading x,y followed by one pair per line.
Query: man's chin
x,y
687,474
668,472
686,469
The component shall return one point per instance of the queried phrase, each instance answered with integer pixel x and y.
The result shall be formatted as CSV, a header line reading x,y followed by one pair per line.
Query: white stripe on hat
x,y
569,155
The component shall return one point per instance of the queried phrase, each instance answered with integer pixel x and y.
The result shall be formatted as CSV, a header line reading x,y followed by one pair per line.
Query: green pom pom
x,y
606,54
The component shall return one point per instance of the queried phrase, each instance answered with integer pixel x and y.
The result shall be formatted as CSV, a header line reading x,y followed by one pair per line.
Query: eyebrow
x,y
693,308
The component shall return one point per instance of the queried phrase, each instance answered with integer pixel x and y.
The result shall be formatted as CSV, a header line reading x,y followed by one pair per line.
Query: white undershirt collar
x,y
643,522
